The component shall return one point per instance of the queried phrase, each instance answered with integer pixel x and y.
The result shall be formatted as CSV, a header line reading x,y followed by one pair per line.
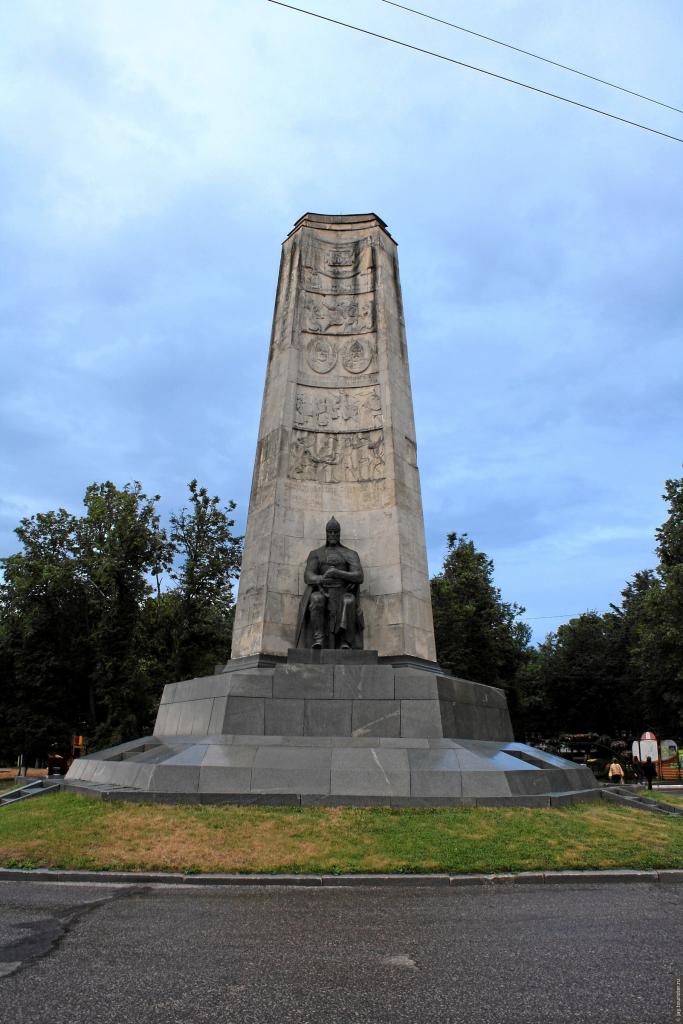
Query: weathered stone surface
x,y
291,770
304,681
480,721
217,720
245,715
420,718
195,717
226,769
411,684
399,771
367,682
327,717
375,770
284,717
376,718
251,683
336,436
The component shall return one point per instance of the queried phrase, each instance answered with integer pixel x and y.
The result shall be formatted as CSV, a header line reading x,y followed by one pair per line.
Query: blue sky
x,y
153,157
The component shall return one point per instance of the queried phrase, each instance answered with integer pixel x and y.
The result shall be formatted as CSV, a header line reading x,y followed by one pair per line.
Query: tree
x,y
621,671
120,545
669,535
43,619
578,679
657,633
86,641
199,609
478,635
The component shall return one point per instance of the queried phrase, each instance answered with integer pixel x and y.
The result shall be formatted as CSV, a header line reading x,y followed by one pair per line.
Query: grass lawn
x,y
67,831
665,798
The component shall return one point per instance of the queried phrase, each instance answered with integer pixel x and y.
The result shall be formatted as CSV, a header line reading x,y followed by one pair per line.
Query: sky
x,y
153,156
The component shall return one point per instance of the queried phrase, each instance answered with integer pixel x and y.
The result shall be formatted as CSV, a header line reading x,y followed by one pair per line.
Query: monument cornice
x,y
340,222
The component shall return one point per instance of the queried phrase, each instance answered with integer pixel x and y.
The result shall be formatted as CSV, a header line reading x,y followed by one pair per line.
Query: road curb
x,y
669,876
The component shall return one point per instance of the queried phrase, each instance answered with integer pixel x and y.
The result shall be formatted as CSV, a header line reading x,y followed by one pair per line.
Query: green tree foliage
x,y
44,619
120,544
86,639
575,683
657,643
478,635
194,618
621,671
670,534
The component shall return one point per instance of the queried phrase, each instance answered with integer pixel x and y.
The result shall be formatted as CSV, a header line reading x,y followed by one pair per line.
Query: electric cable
x,y
473,67
536,56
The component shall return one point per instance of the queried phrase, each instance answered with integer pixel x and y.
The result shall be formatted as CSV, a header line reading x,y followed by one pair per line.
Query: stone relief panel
x,y
315,281
321,355
327,458
340,260
355,357
336,314
335,410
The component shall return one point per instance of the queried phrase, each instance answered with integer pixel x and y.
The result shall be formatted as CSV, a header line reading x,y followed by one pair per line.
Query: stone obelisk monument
x,y
332,693
337,438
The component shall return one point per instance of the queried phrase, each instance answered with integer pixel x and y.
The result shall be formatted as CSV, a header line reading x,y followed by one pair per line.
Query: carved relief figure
x,y
314,457
377,458
347,313
321,355
357,355
373,405
354,457
337,409
330,614
350,410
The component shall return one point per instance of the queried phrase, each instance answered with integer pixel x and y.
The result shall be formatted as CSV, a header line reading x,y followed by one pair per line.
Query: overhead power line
x,y
473,67
528,53
568,615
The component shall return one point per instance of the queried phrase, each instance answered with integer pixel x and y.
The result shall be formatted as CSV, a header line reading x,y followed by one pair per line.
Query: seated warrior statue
x,y
330,613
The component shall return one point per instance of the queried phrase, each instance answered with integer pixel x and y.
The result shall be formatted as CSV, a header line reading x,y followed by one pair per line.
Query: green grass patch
x,y
66,831
665,798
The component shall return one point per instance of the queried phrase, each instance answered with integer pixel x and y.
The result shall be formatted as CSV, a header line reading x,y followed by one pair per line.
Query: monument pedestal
x,y
333,727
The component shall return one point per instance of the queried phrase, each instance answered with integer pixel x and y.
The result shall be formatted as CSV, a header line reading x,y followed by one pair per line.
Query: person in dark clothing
x,y
649,771
637,770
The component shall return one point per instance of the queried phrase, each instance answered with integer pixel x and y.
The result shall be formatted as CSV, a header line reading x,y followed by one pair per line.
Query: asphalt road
x,y
528,954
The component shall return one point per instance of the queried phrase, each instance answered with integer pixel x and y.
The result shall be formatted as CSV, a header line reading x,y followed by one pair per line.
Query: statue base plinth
x,y
332,727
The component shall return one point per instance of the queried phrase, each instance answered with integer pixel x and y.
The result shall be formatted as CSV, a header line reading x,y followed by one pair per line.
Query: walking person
x,y
637,770
615,773
649,771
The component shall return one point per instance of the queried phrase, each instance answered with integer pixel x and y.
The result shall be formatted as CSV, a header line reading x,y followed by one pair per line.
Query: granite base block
x,y
337,728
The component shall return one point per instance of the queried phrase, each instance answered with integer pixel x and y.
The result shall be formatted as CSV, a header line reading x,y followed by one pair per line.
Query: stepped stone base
x,y
332,727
